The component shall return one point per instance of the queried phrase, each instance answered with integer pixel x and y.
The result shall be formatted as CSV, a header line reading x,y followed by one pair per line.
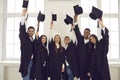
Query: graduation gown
x,y
70,55
82,55
27,50
40,61
99,63
56,60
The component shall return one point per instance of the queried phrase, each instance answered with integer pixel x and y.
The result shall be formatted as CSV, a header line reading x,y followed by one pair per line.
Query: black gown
x,y
70,55
99,67
56,60
40,65
82,55
27,50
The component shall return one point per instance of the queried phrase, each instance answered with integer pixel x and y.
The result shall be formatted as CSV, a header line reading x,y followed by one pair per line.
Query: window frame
x,y
6,15
106,15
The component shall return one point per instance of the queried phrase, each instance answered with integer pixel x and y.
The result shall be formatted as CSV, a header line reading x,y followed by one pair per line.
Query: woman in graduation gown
x,y
56,57
99,68
40,57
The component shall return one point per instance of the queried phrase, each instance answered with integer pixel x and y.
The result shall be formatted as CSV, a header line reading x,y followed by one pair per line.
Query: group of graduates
x,y
42,58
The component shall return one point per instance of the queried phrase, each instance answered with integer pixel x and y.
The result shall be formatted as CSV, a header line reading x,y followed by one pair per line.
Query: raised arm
x,y
37,31
76,28
51,31
105,36
104,31
50,41
22,29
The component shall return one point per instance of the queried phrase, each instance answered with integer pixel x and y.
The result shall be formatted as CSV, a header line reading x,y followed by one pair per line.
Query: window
x,y
87,5
110,7
13,17
111,20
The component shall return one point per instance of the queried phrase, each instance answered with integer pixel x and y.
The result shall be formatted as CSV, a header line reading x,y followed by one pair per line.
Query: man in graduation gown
x,y
26,41
70,58
82,50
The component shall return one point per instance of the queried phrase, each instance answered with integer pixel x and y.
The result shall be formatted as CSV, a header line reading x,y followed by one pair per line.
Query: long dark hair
x,y
94,36
40,39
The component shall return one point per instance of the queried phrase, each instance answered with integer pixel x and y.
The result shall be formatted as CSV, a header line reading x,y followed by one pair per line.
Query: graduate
x,y
56,54
99,68
41,56
82,50
27,49
70,59
70,52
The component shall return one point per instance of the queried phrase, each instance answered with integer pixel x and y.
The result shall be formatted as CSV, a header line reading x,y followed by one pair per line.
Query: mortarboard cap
x,y
96,13
54,17
25,3
68,20
77,9
41,17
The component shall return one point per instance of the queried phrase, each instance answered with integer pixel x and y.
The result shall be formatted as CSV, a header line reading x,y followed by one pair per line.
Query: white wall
x,y
9,70
61,7
1,27
1,36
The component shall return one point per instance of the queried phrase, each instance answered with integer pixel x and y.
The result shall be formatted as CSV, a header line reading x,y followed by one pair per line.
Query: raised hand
x,y
37,32
75,18
38,27
101,23
24,12
72,26
51,25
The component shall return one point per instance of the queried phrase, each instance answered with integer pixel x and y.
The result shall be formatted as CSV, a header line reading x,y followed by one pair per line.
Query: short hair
x,y
87,29
67,37
31,27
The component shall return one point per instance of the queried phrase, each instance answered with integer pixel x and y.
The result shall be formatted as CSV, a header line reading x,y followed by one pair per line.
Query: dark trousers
x,y
43,75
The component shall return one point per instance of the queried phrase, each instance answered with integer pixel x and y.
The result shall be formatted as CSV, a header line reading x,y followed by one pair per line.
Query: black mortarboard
x,y
54,17
41,17
77,9
96,13
25,3
68,20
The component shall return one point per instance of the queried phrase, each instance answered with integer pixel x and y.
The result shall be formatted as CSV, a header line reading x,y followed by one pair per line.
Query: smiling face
x,y
86,33
31,32
66,40
44,39
92,40
57,39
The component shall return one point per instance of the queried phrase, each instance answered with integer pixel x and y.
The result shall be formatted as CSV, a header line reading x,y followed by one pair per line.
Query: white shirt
x,y
57,45
31,38
23,20
86,41
99,33
66,62
66,47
